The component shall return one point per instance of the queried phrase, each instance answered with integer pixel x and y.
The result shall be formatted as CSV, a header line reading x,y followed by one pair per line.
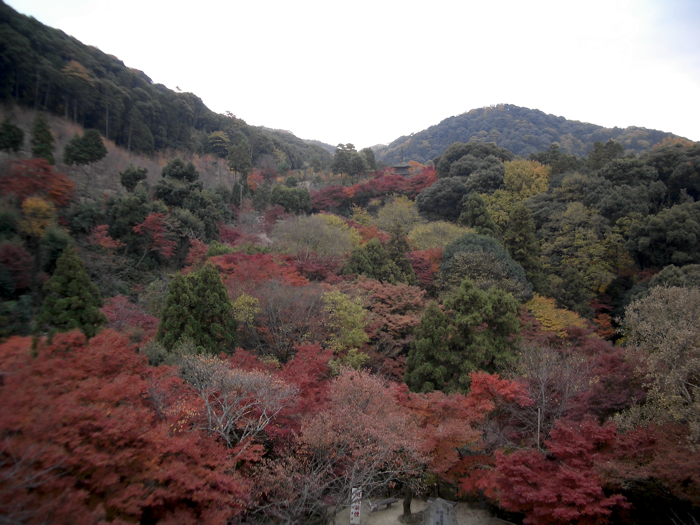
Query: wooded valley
x,y
203,321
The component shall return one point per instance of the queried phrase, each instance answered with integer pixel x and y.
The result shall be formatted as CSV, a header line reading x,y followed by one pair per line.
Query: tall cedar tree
x,y
396,249
72,300
85,150
521,241
42,139
11,137
475,333
198,308
372,260
476,215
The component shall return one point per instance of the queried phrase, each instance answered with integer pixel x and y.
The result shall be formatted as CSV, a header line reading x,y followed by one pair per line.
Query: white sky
x,y
368,72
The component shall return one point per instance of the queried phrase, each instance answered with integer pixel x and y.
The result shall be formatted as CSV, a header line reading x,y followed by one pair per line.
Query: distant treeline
x,y
520,130
42,67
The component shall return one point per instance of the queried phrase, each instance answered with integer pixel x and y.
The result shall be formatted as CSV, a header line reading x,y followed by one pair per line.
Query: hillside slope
x,y
44,68
520,130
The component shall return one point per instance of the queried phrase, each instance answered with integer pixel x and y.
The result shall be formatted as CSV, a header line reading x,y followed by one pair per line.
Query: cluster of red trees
x,y
385,183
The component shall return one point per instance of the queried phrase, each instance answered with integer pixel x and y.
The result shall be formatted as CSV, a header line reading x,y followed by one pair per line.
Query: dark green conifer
x,y
476,333
198,308
372,261
42,139
521,241
396,250
11,137
72,301
476,215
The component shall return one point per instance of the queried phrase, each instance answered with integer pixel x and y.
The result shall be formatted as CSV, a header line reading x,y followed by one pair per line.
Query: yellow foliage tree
x,y
551,318
245,308
37,216
361,216
436,234
338,222
526,178
346,320
501,205
400,209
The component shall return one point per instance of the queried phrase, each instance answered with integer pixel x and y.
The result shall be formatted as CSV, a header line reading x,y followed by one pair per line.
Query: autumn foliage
x,y
37,178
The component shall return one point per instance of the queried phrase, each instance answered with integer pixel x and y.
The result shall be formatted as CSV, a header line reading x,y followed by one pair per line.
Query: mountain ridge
x,y
518,129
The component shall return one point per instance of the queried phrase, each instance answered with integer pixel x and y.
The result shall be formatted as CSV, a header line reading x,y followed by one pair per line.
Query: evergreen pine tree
x,y
198,308
475,334
42,139
430,361
178,321
396,249
372,261
85,150
11,137
476,215
215,317
521,242
72,301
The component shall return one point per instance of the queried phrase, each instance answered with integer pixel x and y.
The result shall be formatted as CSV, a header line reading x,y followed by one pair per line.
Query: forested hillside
x,y
42,67
520,130
210,336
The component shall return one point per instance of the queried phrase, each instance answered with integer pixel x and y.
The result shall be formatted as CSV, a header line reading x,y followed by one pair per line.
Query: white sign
x,y
355,506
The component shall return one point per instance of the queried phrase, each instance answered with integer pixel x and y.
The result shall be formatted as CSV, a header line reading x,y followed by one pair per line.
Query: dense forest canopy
x,y
520,130
206,322
44,68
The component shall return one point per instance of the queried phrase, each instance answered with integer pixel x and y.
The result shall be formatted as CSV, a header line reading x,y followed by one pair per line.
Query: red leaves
x,y
154,229
36,177
565,486
197,254
384,184
19,263
101,238
248,271
124,315
87,411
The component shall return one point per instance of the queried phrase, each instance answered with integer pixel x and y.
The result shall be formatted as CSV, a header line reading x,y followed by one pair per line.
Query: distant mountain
x,y
330,149
43,67
520,130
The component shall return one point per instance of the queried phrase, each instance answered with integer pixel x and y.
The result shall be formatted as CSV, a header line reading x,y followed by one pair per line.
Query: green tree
x,y
178,170
396,249
370,160
442,200
670,237
431,360
85,150
474,333
476,215
521,242
42,139
372,261
604,153
72,301
400,209
293,200
219,143
348,161
241,164
198,309
11,136
131,176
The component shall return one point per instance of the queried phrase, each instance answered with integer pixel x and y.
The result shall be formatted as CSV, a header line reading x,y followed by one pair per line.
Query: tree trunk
x,y
407,497
48,89
128,142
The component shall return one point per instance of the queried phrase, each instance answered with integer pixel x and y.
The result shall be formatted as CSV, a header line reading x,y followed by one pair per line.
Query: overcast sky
x,y
368,72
